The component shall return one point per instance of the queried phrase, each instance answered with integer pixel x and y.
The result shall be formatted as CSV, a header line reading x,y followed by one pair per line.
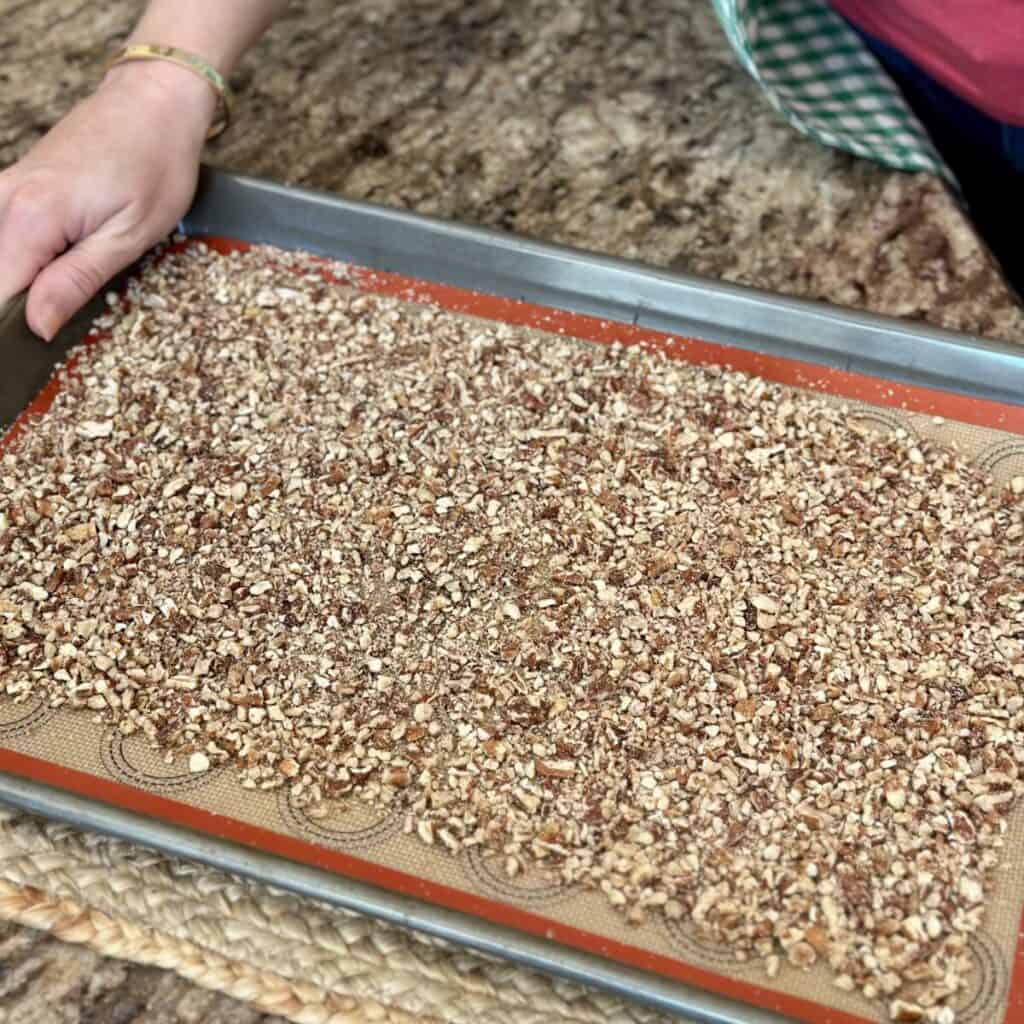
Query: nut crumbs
x,y
679,634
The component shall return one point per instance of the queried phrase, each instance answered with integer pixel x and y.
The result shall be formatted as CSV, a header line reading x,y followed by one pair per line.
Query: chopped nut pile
x,y
683,635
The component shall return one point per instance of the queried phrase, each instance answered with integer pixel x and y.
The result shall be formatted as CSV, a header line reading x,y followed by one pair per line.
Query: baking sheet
x,y
627,300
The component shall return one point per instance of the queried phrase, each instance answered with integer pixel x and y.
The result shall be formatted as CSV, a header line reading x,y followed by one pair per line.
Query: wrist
x,y
174,90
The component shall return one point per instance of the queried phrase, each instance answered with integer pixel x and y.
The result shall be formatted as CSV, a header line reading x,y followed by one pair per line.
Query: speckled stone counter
x,y
45,981
620,126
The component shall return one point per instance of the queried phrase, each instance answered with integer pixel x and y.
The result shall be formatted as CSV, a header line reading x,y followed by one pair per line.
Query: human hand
x,y
107,182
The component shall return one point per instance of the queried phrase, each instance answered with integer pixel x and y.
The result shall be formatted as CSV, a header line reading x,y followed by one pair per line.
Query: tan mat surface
x,y
285,955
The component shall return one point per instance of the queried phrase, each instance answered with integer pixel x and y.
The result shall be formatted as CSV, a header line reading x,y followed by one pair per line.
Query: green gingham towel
x,y
818,74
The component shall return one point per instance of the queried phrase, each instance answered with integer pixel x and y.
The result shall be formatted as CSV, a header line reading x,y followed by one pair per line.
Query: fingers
x,y
70,281
6,188
31,235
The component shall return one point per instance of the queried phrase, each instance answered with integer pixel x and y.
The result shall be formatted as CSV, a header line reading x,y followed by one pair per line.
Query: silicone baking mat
x,y
70,751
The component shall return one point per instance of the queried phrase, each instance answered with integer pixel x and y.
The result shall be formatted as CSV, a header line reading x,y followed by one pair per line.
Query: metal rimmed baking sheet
x,y
732,323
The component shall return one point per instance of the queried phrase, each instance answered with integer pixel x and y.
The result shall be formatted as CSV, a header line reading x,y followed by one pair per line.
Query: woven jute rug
x,y
286,955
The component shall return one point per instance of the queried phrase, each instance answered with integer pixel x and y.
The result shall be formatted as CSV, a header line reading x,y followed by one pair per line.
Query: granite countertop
x,y
45,981
622,127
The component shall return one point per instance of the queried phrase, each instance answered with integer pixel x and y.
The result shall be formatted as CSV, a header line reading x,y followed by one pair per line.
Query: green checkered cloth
x,y
818,74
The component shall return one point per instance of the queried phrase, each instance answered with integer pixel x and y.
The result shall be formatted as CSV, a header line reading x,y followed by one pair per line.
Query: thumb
x,y
71,280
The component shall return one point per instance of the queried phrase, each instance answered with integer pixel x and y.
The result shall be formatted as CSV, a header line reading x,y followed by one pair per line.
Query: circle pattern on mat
x,y
130,759
994,461
883,420
694,949
23,719
489,875
986,984
347,823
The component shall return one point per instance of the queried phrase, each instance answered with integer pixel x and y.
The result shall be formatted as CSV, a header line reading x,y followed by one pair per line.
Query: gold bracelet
x,y
145,51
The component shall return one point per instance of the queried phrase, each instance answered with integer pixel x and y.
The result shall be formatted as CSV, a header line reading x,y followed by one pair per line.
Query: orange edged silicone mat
x,y
668,969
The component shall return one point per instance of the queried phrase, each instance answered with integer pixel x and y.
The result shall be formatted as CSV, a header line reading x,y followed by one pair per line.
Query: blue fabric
x,y
986,155
1013,144
1003,142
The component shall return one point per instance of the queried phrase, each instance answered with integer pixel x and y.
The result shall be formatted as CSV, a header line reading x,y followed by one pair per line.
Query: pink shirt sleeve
x,y
973,47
